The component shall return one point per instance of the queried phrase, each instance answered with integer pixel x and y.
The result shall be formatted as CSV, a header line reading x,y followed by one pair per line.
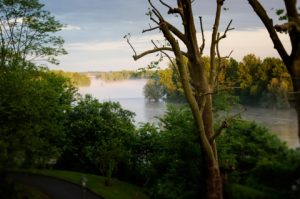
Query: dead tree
x,y
292,27
197,84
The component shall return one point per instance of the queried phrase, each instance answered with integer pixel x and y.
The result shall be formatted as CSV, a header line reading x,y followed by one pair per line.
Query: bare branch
x,y
226,30
168,56
221,65
202,34
163,3
128,41
171,9
150,29
287,27
155,11
214,40
176,32
160,49
225,125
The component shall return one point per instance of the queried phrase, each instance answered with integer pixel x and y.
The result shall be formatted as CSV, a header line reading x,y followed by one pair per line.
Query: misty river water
x,y
129,93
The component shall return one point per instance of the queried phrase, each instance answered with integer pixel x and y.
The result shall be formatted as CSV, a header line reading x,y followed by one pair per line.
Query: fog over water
x,y
129,93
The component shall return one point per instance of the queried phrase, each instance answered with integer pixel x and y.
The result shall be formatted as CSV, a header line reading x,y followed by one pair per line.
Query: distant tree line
x,y
257,82
124,75
78,79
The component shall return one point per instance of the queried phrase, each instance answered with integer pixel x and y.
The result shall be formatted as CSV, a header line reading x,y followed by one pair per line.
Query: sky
x,y
94,31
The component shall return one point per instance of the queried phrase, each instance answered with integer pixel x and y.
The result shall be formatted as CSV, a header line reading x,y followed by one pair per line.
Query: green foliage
x,y
153,90
171,85
169,159
97,136
28,32
259,82
251,156
33,106
254,163
281,14
237,191
224,101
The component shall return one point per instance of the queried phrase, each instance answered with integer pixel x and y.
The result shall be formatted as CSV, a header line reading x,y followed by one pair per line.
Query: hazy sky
x,y
95,30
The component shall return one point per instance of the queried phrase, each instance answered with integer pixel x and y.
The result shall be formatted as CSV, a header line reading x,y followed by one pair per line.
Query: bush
x,y
255,163
33,107
98,137
252,157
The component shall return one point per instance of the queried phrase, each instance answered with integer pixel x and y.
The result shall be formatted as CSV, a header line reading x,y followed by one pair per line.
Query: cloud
x,y
71,27
140,43
113,55
96,46
246,41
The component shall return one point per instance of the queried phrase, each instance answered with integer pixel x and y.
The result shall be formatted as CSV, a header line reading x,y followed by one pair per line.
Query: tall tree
x,y
197,85
27,32
292,27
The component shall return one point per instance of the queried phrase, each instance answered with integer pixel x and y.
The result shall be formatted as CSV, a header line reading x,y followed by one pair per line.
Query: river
x,y
129,93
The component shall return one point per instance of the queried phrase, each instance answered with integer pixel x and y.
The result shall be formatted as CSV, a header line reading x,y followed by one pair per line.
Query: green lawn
x,y
118,189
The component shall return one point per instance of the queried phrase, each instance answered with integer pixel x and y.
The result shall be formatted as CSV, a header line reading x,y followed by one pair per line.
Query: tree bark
x,y
296,87
214,184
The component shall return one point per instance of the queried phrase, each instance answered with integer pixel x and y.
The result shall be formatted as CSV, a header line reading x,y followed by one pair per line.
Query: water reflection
x,y
130,95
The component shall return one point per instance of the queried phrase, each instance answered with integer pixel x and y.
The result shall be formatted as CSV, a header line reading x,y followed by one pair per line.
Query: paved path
x,y
54,188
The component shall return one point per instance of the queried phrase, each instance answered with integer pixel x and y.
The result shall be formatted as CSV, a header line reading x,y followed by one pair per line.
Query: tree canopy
x,y
28,32
33,105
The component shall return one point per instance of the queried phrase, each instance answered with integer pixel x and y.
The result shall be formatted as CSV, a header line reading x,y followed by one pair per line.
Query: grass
x,y
237,191
117,190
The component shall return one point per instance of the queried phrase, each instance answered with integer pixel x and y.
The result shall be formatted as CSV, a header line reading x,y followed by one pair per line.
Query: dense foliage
x,y
97,136
254,163
252,81
153,91
251,156
33,106
260,82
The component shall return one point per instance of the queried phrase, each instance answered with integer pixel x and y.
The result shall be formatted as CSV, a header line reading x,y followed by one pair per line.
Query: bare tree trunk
x,y
214,185
213,179
296,87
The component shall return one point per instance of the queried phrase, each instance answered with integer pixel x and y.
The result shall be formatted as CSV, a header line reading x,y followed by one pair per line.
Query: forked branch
x,y
225,124
155,50
225,32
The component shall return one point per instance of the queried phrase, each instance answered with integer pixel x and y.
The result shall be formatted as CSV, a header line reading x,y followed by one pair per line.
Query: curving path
x,y
53,187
